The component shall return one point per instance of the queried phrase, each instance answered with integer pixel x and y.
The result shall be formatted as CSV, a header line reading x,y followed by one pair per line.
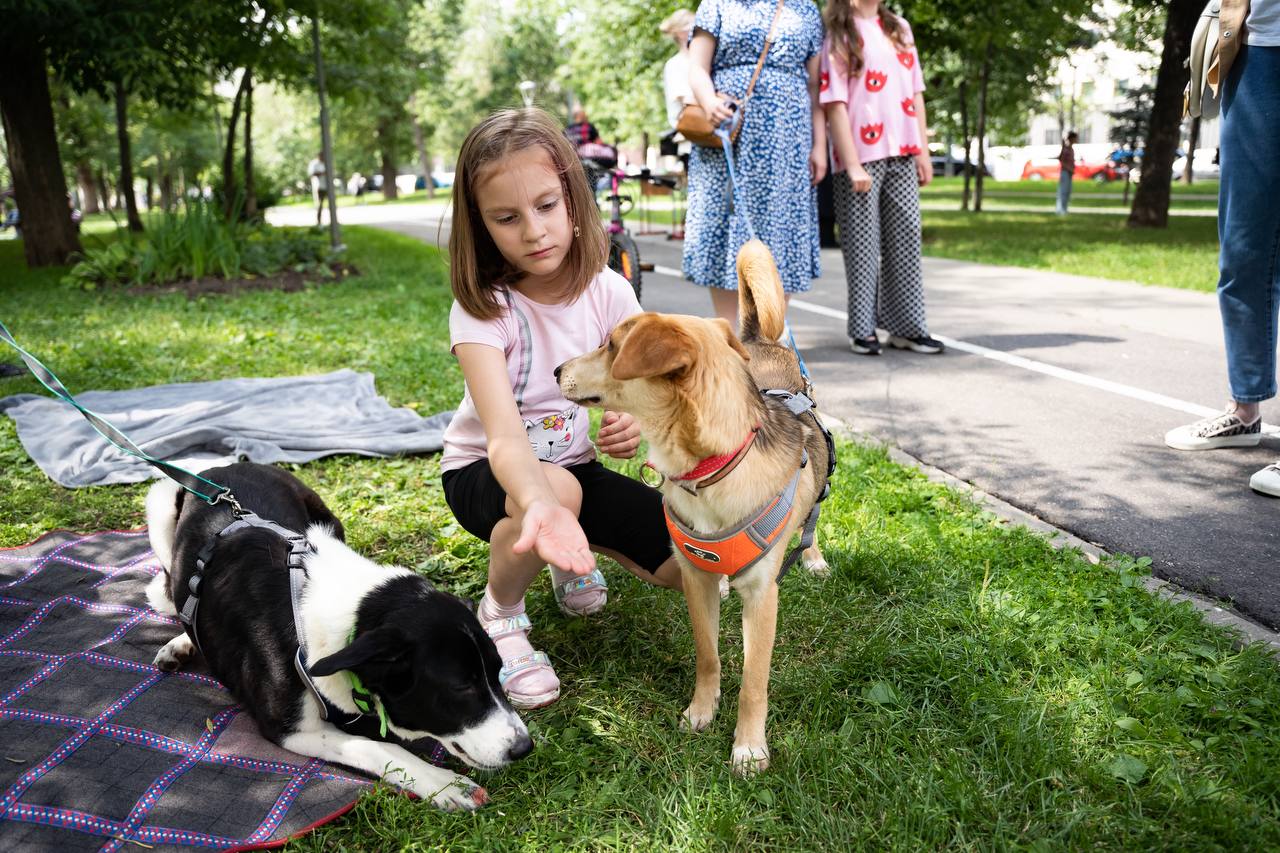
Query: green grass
x,y
955,683
1184,255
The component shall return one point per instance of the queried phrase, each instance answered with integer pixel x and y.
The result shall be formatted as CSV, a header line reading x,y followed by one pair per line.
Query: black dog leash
x,y
207,490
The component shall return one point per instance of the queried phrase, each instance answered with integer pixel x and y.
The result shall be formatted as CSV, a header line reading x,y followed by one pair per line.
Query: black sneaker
x,y
924,343
865,346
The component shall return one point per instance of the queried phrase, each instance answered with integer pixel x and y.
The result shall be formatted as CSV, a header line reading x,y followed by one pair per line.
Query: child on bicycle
x,y
531,291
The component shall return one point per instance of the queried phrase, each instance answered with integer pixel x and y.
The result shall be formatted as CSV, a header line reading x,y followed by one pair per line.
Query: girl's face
x,y
522,204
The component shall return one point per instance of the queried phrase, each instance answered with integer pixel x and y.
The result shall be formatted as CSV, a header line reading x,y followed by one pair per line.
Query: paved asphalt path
x,y
1054,395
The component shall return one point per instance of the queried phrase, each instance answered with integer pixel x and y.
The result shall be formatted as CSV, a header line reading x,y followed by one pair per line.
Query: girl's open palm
x,y
554,534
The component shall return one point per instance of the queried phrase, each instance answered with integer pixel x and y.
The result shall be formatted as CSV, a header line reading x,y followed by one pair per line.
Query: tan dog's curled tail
x,y
762,313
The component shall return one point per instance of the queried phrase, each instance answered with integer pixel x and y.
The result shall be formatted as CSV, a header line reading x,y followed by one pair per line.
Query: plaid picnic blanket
x,y
99,749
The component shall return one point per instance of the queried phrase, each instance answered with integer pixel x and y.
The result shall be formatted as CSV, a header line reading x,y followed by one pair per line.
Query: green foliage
x,y
198,242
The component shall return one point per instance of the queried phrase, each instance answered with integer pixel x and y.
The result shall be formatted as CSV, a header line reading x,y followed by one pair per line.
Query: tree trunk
x,y
1188,174
982,127
150,191
104,191
1151,202
48,237
166,187
229,152
126,158
88,188
964,140
385,137
250,193
424,162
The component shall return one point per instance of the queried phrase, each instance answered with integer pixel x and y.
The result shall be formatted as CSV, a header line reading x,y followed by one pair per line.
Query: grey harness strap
x,y
799,404
299,548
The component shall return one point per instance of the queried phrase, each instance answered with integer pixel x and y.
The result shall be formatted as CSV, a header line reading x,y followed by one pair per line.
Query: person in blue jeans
x,y
1249,234
1066,157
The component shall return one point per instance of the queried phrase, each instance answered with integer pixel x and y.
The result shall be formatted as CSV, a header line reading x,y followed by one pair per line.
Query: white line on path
x,y
1049,370
1029,364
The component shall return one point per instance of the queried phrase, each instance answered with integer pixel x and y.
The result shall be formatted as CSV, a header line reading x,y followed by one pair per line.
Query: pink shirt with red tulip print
x,y
881,99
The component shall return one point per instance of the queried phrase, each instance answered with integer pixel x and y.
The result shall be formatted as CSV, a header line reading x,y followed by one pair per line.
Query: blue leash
x,y
193,483
723,131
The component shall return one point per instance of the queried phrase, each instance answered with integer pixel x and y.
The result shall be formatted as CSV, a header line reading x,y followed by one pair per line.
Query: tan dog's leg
x,y
759,624
813,559
702,594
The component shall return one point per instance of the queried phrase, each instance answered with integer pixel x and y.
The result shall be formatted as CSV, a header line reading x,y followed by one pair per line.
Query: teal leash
x,y
207,490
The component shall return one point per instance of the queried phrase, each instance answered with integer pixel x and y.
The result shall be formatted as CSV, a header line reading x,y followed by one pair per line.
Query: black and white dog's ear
x,y
379,646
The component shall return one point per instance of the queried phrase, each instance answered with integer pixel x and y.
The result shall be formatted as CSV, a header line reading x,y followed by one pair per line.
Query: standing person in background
x,y
873,93
781,152
1248,230
1067,171
675,73
581,131
319,183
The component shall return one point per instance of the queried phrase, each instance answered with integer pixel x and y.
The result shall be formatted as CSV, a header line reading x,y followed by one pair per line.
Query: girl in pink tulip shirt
x,y
872,90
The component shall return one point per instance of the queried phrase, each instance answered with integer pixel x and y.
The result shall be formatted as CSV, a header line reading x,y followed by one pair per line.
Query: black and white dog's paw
x,y
460,794
174,653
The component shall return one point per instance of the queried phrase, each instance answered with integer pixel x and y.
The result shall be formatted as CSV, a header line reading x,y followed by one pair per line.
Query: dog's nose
x,y
557,372
522,747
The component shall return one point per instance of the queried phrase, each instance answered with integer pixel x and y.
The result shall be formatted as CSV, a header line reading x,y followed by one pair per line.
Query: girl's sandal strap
x,y
515,666
499,628
595,580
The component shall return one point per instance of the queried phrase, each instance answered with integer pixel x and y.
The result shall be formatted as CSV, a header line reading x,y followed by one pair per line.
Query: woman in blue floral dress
x,y
781,152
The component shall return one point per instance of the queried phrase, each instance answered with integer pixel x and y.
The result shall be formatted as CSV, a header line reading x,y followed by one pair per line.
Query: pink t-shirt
x,y
537,339
881,99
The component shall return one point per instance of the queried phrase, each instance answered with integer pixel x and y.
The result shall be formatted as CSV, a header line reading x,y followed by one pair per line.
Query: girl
x,y
872,91
527,257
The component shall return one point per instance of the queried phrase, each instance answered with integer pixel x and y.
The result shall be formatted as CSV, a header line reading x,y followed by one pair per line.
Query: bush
x,y
199,242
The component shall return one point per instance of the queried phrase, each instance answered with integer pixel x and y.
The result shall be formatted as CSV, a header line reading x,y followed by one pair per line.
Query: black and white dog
x,y
421,658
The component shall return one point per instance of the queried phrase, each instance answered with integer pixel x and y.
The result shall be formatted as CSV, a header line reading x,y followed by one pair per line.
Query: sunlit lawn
x,y
955,683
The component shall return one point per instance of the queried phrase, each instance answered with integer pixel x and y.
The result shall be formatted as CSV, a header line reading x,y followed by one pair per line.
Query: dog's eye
x,y
609,345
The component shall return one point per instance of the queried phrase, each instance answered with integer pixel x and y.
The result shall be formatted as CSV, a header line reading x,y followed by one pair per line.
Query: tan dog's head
x,y
654,365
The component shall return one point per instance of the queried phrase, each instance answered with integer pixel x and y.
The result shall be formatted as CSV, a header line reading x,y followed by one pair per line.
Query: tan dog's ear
x,y
729,336
652,347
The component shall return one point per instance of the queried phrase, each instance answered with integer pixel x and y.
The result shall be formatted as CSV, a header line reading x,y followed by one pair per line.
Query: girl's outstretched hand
x,y
553,532
618,436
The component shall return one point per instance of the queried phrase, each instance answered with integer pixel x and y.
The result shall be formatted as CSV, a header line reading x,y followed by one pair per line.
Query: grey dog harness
x,y
299,548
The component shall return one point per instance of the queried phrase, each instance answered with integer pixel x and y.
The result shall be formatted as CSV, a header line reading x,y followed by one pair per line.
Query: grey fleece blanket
x,y
201,424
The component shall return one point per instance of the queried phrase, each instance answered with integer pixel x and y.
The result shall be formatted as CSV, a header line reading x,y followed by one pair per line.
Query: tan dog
x,y
695,391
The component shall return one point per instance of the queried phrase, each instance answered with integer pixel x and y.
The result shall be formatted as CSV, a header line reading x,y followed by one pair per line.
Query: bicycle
x,y
624,255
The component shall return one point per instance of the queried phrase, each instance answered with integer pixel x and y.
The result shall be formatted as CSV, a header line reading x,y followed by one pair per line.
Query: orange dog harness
x,y
738,548
731,551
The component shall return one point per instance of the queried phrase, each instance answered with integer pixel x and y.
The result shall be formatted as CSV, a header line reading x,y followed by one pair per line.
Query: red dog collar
x,y
714,468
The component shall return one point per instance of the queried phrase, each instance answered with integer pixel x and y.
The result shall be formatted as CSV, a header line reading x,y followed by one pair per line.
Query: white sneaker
x,y
1224,430
1267,480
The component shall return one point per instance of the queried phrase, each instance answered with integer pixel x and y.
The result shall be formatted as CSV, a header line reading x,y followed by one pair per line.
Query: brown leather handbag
x,y
693,123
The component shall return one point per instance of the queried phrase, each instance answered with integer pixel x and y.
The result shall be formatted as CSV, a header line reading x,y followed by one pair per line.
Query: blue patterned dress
x,y
772,155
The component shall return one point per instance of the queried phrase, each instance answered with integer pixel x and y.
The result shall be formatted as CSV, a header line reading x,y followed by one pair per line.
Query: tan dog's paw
x,y
699,715
750,760
816,563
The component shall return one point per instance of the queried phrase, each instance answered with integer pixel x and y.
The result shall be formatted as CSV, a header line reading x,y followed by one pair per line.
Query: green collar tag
x,y
363,699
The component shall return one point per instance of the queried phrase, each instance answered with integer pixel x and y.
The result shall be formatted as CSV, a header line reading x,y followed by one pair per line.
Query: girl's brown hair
x,y
846,46
477,270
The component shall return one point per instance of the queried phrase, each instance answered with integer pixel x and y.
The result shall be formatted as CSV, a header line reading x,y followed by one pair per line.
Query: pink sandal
x,y
517,669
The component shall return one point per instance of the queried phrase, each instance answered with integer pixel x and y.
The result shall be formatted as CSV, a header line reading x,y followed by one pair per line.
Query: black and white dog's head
x,y
424,655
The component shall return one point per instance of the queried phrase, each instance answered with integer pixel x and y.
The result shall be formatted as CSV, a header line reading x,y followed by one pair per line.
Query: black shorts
x,y
618,513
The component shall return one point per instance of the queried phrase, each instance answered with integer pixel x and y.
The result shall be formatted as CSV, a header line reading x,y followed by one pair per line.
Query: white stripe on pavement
x,y
1084,379
1049,370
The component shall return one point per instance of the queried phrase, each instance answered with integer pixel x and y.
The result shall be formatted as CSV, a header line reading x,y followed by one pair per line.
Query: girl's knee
x,y
565,486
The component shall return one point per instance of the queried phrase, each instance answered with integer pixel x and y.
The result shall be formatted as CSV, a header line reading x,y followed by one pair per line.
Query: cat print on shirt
x,y
551,436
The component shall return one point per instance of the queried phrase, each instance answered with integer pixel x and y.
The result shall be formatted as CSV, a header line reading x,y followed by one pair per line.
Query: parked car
x,y
1204,166
944,165
1045,169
